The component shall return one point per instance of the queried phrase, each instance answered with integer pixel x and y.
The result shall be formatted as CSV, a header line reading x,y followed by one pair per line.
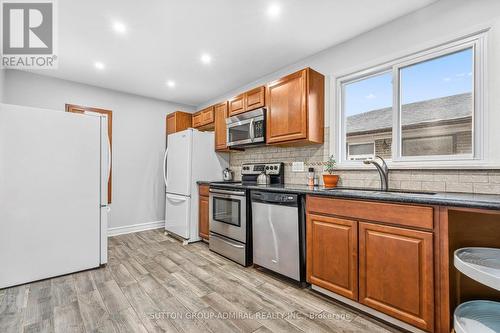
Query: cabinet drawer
x,y
203,190
405,215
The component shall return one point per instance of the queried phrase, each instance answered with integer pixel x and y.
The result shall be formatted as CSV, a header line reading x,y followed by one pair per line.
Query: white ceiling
x,y
165,40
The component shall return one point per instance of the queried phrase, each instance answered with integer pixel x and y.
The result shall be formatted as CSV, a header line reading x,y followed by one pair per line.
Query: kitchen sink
x,y
378,190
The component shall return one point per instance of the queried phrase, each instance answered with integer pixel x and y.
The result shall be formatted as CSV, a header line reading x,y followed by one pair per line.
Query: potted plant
x,y
330,180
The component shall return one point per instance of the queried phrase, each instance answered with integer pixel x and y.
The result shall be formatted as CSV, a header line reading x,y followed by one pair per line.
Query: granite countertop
x,y
467,200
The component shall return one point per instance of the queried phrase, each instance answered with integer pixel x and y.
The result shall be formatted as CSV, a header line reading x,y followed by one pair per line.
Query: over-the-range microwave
x,y
247,129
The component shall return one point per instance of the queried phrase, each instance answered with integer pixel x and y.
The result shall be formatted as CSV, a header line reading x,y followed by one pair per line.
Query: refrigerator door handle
x,y
175,198
165,167
109,159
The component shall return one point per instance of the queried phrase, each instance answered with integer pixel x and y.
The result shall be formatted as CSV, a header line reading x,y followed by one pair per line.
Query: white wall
x,y
432,25
138,138
2,83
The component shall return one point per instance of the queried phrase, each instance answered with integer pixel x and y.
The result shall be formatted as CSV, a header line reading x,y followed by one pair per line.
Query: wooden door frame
x,y
81,109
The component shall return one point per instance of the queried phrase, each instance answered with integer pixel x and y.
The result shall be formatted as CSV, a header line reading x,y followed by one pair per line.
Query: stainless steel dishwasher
x,y
278,231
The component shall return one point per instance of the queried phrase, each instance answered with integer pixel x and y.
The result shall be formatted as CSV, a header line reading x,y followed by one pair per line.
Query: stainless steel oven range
x,y
228,222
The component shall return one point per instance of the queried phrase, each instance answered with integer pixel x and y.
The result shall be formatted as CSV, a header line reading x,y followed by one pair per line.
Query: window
x,y
425,107
368,114
436,105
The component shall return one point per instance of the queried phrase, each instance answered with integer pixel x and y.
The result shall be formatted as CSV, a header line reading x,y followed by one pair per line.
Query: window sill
x,y
472,165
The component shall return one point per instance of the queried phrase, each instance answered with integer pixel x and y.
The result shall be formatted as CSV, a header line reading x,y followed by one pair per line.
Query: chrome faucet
x,y
383,171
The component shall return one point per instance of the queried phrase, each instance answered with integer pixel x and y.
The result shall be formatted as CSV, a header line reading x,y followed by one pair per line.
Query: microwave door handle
x,y
252,130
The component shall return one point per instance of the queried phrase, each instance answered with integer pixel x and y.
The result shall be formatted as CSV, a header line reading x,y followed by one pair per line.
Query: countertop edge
x,y
421,199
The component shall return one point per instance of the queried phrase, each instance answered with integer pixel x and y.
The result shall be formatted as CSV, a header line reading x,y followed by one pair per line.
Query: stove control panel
x,y
257,168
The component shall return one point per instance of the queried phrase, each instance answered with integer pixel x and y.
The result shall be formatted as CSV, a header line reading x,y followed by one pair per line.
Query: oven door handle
x,y
230,243
217,191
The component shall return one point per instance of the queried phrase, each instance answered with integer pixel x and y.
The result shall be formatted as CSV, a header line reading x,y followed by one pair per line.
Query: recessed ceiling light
x,y
206,58
119,27
274,10
99,65
170,83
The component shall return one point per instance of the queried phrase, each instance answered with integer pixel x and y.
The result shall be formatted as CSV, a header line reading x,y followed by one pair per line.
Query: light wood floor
x,y
154,284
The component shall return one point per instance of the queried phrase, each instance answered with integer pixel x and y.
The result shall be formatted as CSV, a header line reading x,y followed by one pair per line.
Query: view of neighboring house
x,y
441,126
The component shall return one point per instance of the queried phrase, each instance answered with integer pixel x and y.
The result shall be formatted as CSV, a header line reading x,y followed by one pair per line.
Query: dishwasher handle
x,y
273,198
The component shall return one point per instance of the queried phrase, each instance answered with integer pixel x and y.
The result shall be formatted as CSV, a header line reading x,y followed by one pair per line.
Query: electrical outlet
x,y
298,166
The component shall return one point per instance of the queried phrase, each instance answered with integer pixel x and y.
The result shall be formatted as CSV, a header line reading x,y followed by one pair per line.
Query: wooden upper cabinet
x,y
295,108
220,111
178,121
255,98
247,101
332,249
207,115
197,119
396,273
204,119
237,105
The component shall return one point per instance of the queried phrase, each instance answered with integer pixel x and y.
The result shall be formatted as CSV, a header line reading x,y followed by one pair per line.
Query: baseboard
x,y
128,229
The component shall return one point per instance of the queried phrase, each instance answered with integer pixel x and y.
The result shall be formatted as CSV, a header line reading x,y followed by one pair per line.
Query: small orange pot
x,y
330,180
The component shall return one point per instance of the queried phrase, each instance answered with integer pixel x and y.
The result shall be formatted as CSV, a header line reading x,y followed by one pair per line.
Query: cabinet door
x,y
203,217
207,115
396,273
287,108
197,119
171,123
332,248
237,105
220,126
255,98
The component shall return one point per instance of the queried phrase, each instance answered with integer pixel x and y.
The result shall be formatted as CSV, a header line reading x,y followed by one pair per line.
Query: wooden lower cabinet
x,y
203,212
332,250
396,273
378,254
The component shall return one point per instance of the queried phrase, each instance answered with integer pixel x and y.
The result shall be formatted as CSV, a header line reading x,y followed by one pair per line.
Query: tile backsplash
x,y
472,181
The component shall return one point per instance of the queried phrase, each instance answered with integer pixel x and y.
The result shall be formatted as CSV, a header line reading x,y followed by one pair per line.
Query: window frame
x,y
477,42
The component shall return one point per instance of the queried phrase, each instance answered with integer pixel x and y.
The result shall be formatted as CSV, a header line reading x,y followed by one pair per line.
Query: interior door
x,y
109,116
178,177
49,193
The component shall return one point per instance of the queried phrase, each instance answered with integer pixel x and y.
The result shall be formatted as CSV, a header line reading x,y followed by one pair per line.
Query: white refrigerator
x,y
54,169
190,157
